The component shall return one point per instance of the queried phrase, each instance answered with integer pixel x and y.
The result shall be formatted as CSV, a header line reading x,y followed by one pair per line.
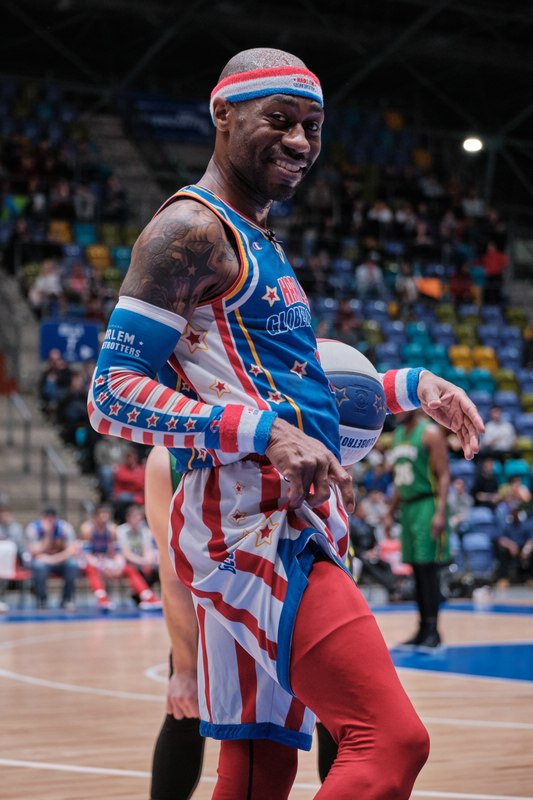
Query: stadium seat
x,y
121,257
467,310
445,312
526,399
325,308
524,445
375,310
417,332
478,553
84,233
511,334
488,332
413,354
98,256
506,380
508,401
517,466
510,357
524,424
110,234
461,468
59,231
437,354
387,352
442,333
485,357
482,380
492,314
517,317
459,376
460,355
465,333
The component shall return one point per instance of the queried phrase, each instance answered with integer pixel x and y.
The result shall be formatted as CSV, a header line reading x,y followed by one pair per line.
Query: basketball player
x,y
419,456
259,521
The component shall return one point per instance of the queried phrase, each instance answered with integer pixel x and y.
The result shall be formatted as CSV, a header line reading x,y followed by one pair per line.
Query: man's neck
x,y
234,192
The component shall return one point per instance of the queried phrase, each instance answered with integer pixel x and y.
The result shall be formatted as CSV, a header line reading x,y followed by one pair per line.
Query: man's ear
x,y
222,111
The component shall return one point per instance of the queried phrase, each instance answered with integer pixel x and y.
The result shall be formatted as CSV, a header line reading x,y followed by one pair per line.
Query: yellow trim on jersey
x,y
244,261
265,370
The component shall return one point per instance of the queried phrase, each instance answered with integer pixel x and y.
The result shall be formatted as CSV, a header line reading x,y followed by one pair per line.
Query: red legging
x,y
96,582
341,669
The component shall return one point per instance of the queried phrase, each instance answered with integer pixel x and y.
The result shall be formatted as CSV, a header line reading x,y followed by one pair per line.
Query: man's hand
x,y
305,462
438,524
182,695
450,406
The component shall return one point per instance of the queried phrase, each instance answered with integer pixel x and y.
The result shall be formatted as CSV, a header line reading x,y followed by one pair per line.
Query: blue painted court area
x,y
512,661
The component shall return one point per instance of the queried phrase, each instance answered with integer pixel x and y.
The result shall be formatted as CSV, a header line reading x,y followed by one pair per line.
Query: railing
x,y
50,458
16,404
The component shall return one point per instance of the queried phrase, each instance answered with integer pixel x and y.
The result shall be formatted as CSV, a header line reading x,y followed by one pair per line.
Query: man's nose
x,y
296,140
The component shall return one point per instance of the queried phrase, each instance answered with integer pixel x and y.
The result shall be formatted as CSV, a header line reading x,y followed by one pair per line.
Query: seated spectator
x,y
366,551
54,381
377,478
375,508
115,205
128,483
499,436
137,545
76,284
102,560
11,544
109,452
84,203
406,287
485,490
52,545
460,501
46,289
513,494
495,263
462,285
72,410
514,548
369,280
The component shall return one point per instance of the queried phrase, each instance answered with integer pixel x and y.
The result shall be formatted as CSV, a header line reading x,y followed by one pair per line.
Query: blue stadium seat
x,y
478,553
482,380
388,352
376,310
510,357
442,333
413,354
491,314
508,401
517,466
511,334
524,425
481,519
459,376
418,332
325,308
464,469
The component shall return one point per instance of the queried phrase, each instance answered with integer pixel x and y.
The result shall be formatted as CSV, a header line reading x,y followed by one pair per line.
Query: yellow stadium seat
x,y
460,355
506,380
485,357
527,402
98,256
59,231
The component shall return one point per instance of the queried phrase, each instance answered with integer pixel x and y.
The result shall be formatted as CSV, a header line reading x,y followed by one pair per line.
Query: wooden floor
x,y
82,702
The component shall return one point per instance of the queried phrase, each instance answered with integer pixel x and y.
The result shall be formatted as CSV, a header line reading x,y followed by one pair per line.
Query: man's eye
x,y
279,118
313,127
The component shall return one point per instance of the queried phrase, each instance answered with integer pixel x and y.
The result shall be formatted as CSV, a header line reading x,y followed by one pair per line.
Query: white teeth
x,y
287,166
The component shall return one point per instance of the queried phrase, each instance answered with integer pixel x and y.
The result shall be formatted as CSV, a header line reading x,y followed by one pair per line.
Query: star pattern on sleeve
x,y
100,380
299,368
115,408
255,369
271,295
276,397
152,420
132,415
172,424
194,338
190,424
220,387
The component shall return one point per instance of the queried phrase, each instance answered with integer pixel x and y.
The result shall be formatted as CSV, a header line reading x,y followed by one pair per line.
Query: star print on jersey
x,y
194,338
99,381
238,516
276,397
271,295
239,488
115,408
132,415
299,368
340,394
263,534
152,420
102,397
202,454
220,387
172,423
190,424
378,403
255,369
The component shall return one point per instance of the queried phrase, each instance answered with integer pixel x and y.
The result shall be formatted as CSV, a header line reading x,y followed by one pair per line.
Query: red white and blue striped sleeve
x,y
401,388
124,399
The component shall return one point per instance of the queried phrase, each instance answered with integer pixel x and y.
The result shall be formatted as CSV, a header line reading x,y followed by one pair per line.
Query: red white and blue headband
x,y
297,81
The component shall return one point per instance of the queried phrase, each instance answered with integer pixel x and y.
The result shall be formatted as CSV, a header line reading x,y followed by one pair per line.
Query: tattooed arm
x,y
182,257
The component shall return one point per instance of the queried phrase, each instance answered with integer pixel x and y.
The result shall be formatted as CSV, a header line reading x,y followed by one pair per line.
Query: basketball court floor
x,y
82,698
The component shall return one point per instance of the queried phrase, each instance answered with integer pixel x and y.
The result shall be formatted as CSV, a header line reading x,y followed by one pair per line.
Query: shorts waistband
x,y
257,458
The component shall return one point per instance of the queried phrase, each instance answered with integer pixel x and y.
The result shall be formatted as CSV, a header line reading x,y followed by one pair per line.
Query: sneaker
x,y
430,641
68,605
105,604
151,604
414,641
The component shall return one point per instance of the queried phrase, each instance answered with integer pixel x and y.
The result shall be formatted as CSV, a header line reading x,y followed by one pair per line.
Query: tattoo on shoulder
x,y
181,258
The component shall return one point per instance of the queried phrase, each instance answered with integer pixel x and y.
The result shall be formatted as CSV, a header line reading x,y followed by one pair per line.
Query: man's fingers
x,y
345,484
295,494
321,487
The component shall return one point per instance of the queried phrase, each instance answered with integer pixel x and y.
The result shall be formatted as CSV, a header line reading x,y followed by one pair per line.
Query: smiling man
x,y
259,519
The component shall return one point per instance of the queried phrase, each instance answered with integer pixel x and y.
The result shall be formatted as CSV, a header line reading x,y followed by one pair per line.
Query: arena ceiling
x,y
455,66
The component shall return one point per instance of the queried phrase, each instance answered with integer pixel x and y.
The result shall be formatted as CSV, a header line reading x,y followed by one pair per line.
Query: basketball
x,y
360,398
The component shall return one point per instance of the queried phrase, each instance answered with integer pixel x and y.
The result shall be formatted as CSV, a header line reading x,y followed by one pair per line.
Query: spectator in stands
x,y
72,411
485,490
84,203
11,544
495,263
513,494
460,501
137,545
76,284
54,381
500,435
103,561
375,508
61,202
128,483
514,548
115,206
52,545
369,280
109,452
366,550
46,289
377,478
406,287
462,285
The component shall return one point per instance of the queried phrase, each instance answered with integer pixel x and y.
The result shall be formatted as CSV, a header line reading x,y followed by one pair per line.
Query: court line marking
x,y
423,671
131,773
478,723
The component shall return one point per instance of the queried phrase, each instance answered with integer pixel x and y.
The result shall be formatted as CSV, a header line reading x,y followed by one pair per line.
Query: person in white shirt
x,y
499,435
137,545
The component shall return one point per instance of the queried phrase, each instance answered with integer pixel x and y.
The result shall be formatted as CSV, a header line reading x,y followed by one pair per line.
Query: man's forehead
x,y
294,102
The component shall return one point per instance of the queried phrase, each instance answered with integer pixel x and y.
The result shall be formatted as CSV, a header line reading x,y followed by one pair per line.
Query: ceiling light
x,y
472,144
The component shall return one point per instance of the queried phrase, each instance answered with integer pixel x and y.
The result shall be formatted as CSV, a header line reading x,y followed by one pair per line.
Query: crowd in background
x,y
376,222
